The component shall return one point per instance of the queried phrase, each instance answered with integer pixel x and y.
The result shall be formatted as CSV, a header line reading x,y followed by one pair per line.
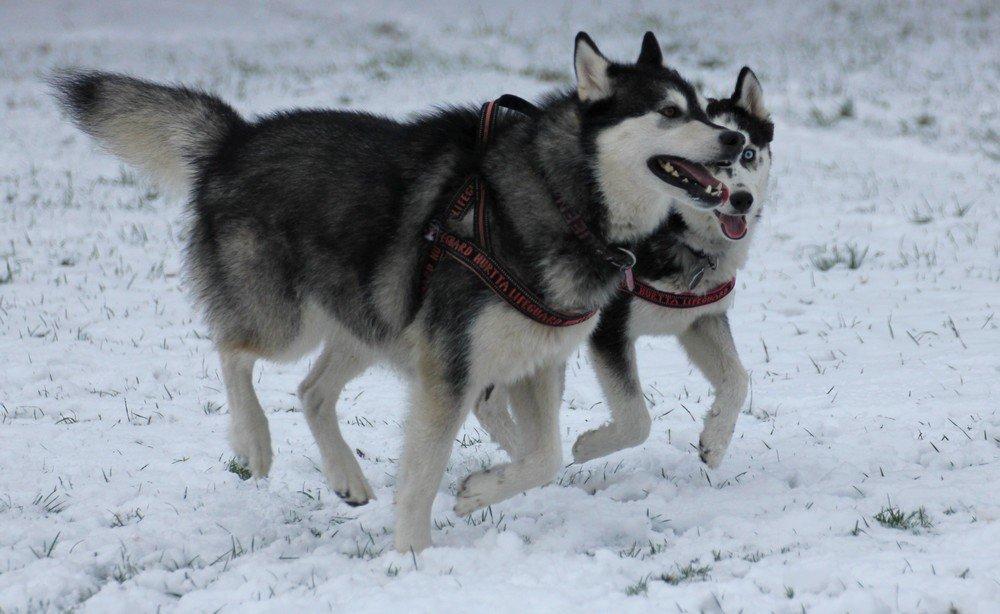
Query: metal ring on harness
x,y
629,259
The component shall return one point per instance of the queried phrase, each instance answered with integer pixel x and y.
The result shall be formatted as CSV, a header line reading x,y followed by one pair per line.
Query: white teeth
x,y
668,167
708,190
684,179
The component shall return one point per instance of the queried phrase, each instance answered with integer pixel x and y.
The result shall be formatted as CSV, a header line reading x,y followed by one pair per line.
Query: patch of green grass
x,y
467,441
637,551
382,66
639,588
389,29
849,255
892,517
920,218
365,550
692,572
52,503
124,570
8,276
47,547
241,471
545,75
124,518
825,120
961,209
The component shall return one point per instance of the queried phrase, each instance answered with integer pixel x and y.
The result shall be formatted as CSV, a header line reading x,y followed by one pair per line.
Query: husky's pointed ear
x,y
749,95
592,80
651,54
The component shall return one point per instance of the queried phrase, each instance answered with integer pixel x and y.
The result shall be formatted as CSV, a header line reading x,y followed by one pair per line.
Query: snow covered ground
x,y
864,473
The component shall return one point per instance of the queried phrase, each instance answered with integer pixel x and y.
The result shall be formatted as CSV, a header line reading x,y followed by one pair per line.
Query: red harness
x,y
683,300
474,254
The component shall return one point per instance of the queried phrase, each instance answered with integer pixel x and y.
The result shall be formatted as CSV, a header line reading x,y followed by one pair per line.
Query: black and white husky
x,y
692,252
310,227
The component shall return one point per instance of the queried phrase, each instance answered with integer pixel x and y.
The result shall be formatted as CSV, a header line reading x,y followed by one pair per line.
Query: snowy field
x,y
865,469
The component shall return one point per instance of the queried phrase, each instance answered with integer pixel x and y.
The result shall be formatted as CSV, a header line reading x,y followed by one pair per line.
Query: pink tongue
x,y
699,172
735,226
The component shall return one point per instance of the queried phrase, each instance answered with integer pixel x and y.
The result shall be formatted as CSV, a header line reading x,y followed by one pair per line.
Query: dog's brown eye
x,y
671,111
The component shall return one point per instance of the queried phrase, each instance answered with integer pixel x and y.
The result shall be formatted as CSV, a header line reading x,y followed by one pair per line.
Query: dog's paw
x,y
712,448
712,458
253,447
587,446
597,443
412,542
351,486
478,491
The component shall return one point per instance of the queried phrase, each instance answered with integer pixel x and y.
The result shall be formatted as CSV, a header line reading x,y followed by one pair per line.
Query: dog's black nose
x,y
732,139
741,201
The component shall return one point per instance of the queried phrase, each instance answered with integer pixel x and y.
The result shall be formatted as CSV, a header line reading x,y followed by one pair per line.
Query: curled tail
x,y
165,132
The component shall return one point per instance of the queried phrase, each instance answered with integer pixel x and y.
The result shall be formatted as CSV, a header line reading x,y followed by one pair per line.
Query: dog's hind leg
x,y
249,434
342,360
434,419
491,411
709,344
535,401
618,375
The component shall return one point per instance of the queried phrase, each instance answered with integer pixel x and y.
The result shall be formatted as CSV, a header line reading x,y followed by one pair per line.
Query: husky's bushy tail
x,y
165,132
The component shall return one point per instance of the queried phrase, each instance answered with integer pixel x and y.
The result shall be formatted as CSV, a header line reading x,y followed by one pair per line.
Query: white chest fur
x,y
508,346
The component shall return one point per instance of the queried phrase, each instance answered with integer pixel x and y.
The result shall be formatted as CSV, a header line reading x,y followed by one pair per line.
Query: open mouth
x,y
691,177
733,226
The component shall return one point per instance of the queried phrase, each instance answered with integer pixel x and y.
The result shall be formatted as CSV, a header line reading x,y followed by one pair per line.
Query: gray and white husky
x,y
309,229
693,250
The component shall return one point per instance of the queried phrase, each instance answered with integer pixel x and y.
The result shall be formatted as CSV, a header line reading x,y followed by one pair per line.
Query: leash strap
x,y
683,300
474,255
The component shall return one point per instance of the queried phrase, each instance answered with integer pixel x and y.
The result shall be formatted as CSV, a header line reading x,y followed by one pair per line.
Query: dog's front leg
x,y
492,413
535,401
436,414
618,374
709,345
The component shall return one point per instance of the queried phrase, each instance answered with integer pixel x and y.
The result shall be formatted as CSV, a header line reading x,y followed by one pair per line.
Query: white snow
x,y
873,387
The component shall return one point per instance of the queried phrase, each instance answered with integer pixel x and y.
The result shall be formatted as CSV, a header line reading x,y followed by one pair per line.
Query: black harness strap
x,y
475,254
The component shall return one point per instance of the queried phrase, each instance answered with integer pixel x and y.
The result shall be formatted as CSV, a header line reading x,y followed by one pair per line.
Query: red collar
x,y
683,300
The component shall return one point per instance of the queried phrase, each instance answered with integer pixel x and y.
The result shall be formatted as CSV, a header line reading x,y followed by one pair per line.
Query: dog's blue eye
x,y
749,154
